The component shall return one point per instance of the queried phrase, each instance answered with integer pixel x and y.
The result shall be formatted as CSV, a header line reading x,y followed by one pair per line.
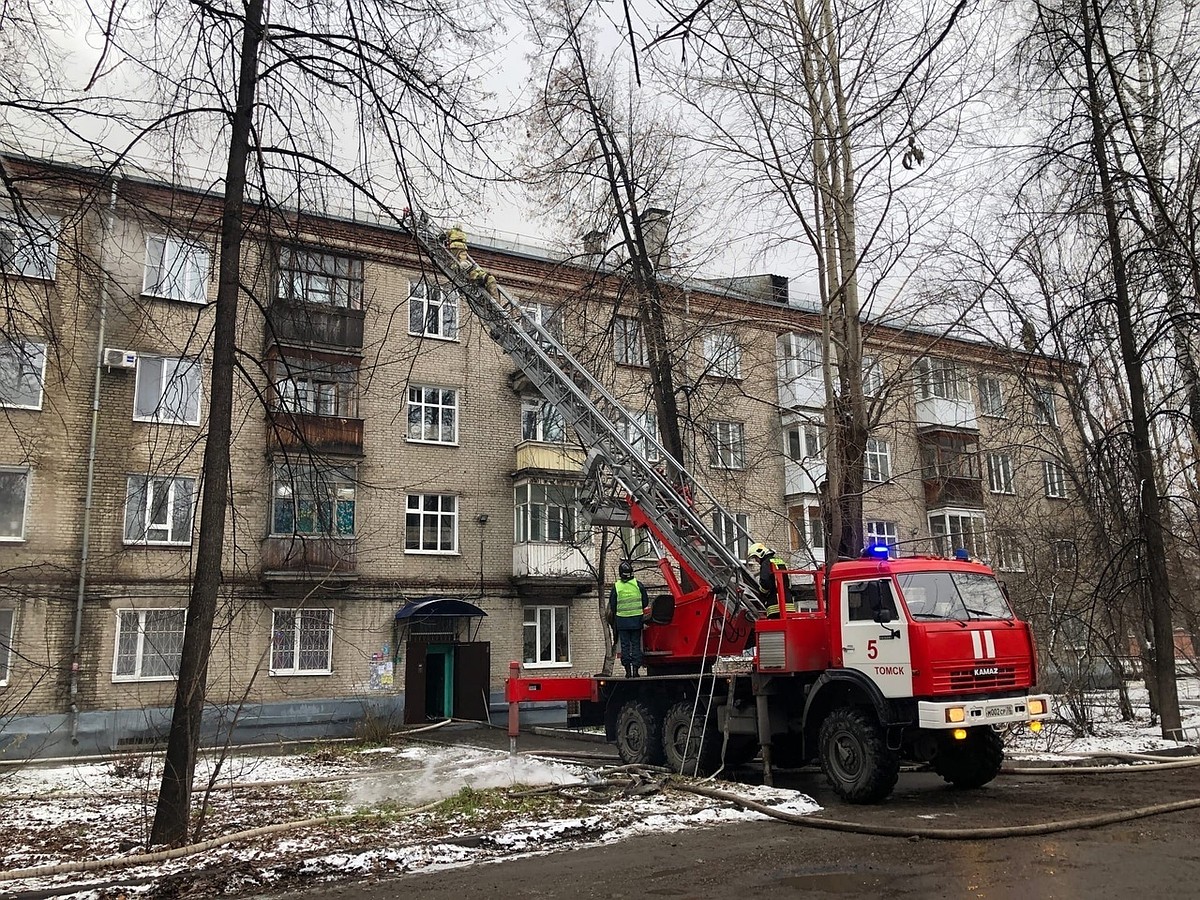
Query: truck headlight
x,y
1037,707
956,714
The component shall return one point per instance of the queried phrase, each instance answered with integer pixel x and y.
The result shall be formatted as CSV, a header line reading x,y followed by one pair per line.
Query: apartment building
x,y
403,519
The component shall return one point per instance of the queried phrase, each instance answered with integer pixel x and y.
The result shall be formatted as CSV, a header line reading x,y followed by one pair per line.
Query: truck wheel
x,y
741,749
972,762
691,749
639,733
855,757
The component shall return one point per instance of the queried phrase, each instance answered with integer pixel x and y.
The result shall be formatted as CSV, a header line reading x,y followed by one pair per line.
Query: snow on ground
x,y
488,806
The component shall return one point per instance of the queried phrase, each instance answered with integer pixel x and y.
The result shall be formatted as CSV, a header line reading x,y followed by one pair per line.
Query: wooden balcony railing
x,y
312,325
316,558
300,432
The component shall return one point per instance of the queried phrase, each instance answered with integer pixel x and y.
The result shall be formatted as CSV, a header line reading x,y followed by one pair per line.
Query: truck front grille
x,y
978,679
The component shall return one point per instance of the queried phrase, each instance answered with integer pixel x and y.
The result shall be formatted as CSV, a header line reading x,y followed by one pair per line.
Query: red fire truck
x,y
869,661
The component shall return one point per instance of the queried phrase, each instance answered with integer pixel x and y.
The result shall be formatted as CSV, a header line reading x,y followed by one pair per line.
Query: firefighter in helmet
x,y
769,562
627,606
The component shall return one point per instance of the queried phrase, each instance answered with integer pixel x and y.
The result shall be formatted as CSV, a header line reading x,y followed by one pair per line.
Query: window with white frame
x,y
641,430
546,636
301,641
877,460
953,530
1009,557
799,355
872,377
432,414
629,345
314,387
942,378
733,532
176,269
149,644
728,447
722,355
22,373
1062,555
991,396
804,440
159,510
807,530
1044,410
1053,479
431,524
7,638
313,500
635,543
28,244
167,390
309,276
541,421
432,311
546,315
14,498
879,533
545,513
1000,473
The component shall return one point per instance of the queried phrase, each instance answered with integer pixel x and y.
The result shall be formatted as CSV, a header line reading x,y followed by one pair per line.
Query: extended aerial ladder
x,y
624,460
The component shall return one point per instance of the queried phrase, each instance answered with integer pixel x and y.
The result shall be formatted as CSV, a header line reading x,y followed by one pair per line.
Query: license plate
x,y
995,712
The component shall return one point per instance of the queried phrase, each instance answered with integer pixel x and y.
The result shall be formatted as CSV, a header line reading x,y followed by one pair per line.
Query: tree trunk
x,y
171,815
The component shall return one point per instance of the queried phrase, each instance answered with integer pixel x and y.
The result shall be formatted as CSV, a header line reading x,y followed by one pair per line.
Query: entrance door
x,y
439,681
472,680
879,650
414,683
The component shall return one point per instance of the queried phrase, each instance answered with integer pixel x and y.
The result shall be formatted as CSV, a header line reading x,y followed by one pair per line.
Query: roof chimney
x,y
655,222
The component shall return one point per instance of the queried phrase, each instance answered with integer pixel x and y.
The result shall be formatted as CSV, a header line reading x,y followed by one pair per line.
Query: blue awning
x,y
438,607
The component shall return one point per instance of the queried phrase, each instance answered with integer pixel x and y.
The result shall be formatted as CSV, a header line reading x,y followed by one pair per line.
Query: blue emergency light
x,y
878,551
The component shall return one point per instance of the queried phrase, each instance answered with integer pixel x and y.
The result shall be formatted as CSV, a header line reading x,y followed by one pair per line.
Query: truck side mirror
x,y
884,615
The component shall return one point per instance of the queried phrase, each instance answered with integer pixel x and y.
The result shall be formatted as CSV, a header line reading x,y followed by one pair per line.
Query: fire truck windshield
x,y
957,596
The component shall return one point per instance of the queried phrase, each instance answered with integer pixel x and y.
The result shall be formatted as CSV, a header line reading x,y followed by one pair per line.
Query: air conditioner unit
x,y
115,358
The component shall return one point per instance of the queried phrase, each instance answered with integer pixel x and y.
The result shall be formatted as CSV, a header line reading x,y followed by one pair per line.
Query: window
x,y
872,377
1053,479
149,644
7,636
432,312
545,513
991,399
1062,555
808,528
159,510
546,315
168,391
636,543
877,461
629,348
879,533
799,355
945,455
641,430
728,445
1008,554
941,378
541,421
176,269
312,500
433,414
22,374
805,440
14,493
953,530
546,636
870,601
1044,411
733,532
431,524
315,388
722,355
28,245
310,277
301,642
1000,473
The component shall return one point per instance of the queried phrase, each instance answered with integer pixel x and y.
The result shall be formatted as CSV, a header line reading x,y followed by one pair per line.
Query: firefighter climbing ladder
x,y
621,448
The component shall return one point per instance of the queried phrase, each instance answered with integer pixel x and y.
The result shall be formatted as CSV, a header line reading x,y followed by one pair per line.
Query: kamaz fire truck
x,y
869,661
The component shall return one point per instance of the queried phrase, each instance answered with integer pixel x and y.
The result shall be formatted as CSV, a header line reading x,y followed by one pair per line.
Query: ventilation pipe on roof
x,y
655,223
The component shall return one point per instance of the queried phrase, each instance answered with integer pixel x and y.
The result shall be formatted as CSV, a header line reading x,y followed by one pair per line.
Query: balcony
x,y
803,476
545,570
321,435
303,558
939,412
952,491
535,456
802,392
314,325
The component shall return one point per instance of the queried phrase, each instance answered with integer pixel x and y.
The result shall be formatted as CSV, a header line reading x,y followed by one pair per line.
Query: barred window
x,y
149,644
301,641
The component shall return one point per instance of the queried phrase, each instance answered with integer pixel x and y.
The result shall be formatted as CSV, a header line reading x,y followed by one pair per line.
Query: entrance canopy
x,y
439,607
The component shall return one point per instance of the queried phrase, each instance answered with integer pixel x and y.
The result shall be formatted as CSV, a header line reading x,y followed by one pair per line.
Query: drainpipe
x,y
105,259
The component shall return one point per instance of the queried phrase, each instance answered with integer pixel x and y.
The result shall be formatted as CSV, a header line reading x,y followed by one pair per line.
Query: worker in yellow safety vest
x,y
627,607
769,563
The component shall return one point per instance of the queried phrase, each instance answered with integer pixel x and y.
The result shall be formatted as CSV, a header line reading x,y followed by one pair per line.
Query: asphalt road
x,y
1148,858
